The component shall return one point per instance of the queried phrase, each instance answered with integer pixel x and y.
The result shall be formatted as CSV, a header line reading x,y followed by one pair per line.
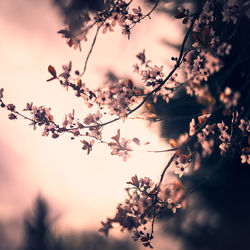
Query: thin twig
x,y
162,151
177,65
164,171
90,51
155,6
146,15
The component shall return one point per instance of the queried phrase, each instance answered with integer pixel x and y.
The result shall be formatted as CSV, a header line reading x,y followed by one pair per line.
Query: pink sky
x,y
82,189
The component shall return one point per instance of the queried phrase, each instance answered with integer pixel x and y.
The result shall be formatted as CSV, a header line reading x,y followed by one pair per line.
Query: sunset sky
x,y
81,189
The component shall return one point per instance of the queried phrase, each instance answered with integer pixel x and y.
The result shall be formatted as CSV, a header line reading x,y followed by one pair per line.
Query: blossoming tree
x,y
201,69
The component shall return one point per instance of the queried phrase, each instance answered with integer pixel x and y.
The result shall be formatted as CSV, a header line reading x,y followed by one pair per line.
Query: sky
x,y
81,190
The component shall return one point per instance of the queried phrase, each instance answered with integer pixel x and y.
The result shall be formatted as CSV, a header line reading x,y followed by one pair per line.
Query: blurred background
x,y
53,196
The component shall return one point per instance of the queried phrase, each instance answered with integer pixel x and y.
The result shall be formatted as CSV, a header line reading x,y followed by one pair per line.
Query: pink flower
x,y
87,145
120,147
245,159
172,205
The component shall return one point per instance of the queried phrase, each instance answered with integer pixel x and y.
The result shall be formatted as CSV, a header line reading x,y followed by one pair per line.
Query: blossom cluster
x,y
219,135
153,77
144,200
115,12
118,98
120,147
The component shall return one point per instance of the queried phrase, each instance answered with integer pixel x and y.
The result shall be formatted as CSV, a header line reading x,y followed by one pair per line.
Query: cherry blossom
x,y
221,126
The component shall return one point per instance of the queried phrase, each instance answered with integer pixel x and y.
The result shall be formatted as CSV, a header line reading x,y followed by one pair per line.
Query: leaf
x,y
201,120
1,93
117,137
197,38
70,42
51,118
185,20
79,83
55,135
66,33
130,84
12,116
52,78
149,107
173,142
136,141
135,181
52,71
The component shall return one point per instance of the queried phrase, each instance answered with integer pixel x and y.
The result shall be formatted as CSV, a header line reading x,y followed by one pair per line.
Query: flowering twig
x,y
146,15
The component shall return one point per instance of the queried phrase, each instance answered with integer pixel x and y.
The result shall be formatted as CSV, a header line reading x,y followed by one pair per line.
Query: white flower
x,y
209,129
172,205
244,125
245,159
181,169
207,147
224,147
182,139
156,71
192,127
